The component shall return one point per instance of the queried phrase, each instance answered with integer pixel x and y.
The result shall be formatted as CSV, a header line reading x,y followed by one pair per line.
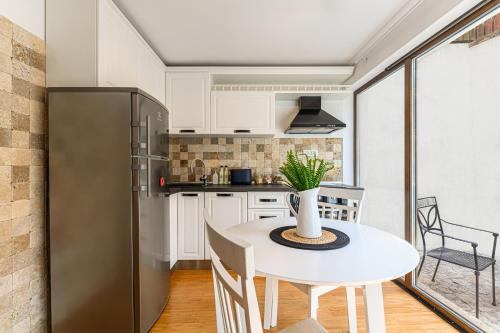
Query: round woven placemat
x,y
325,238
330,239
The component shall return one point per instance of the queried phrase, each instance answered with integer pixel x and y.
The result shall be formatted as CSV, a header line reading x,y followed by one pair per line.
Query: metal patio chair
x,y
430,222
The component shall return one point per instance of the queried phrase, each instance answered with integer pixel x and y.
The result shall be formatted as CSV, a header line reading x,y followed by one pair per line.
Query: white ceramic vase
x,y
308,221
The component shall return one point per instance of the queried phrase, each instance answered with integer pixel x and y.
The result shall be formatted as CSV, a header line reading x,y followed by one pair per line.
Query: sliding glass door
x,y
457,176
380,153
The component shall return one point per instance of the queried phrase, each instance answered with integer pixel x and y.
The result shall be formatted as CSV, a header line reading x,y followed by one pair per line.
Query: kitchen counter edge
x,y
244,188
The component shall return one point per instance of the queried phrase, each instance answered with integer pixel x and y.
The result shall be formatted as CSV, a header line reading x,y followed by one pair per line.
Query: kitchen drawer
x,y
267,200
259,214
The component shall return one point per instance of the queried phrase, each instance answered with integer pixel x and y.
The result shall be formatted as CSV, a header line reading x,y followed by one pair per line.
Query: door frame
x,y
410,158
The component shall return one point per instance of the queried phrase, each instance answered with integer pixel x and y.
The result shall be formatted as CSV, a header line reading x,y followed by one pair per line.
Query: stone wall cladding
x,y
23,275
263,155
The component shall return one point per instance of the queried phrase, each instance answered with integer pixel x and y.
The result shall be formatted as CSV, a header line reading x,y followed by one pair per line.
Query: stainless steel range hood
x,y
311,119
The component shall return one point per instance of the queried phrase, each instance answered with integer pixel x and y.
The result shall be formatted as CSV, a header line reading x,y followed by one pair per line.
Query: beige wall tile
x,y
20,243
5,82
5,212
20,87
20,139
5,60
20,208
5,156
20,104
5,118
21,70
37,77
6,249
21,156
37,157
6,266
5,100
20,191
20,174
23,36
5,230
5,285
6,47
21,226
5,27
5,193
22,217
37,174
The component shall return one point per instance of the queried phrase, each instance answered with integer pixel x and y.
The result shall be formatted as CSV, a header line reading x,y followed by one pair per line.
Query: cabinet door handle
x,y
189,194
266,216
187,131
225,194
241,131
268,200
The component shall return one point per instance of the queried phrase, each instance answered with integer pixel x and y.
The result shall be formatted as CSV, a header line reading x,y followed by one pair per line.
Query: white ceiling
x,y
260,32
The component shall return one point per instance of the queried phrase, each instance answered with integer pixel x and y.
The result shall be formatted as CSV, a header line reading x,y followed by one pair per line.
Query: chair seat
x,y
461,258
305,326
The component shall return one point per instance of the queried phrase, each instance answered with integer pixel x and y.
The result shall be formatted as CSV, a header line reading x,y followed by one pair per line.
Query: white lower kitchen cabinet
x,y
190,225
227,209
259,214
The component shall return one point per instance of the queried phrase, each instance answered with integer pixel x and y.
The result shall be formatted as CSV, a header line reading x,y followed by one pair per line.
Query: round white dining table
x,y
372,256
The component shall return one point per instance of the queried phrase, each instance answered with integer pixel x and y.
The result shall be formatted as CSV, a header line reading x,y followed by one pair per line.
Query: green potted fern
x,y
305,177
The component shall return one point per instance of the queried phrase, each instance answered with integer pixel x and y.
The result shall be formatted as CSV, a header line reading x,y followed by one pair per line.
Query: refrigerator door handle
x,y
148,130
140,188
149,176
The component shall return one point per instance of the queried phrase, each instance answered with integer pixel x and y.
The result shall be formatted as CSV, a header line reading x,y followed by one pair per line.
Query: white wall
x,y
458,136
380,143
29,14
340,107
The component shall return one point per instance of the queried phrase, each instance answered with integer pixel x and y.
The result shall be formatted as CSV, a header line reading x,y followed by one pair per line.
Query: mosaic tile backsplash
x,y
263,155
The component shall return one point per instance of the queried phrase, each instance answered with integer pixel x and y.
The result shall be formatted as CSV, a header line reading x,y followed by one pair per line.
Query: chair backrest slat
x,y
428,216
350,212
236,298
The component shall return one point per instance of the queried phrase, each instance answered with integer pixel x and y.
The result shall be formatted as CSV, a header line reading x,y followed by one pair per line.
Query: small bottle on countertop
x,y
221,174
225,173
215,178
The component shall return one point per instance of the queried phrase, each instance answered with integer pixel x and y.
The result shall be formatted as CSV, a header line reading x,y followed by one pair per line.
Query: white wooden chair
x,y
350,212
235,299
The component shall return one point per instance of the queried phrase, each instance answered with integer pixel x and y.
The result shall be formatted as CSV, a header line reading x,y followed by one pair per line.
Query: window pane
x,y
458,153
380,130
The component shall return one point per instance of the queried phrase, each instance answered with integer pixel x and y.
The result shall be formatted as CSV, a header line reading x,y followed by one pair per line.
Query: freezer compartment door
x,y
149,127
151,224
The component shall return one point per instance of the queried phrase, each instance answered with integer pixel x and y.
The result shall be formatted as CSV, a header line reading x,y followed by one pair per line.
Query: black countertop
x,y
228,188
243,188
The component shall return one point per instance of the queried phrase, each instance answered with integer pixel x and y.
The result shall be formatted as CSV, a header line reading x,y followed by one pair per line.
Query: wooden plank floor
x,y
191,308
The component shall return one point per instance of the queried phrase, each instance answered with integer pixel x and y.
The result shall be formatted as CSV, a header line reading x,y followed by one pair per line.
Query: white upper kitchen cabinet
x,y
90,43
151,77
190,226
242,112
227,209
118,48
188,100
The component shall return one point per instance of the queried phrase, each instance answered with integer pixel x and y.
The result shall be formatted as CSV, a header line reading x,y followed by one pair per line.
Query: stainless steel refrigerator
x,y
108,212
